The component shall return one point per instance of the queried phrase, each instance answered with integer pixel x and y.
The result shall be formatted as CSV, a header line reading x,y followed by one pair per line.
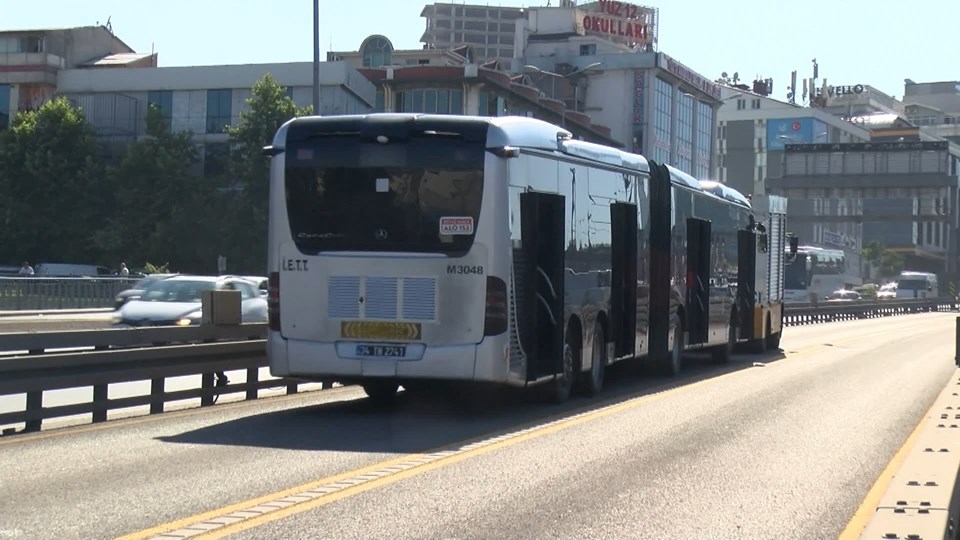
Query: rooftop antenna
x,y
109,26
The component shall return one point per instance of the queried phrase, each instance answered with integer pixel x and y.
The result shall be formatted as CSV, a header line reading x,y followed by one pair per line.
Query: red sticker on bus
x,y
456,225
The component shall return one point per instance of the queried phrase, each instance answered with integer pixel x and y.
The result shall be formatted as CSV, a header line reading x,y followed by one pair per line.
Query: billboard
x,y
784,131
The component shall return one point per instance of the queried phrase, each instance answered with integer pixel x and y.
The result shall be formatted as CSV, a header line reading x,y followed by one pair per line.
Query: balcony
x,y
30,68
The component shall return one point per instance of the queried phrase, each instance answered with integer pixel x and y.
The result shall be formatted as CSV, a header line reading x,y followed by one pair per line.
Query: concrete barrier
x,y
923,498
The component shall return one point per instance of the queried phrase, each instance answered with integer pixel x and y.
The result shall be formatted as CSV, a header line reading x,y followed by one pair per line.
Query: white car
x,y
176,301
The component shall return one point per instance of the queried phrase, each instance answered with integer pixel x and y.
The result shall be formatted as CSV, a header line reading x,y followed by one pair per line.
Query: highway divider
x,y
37,362
923,498
806,313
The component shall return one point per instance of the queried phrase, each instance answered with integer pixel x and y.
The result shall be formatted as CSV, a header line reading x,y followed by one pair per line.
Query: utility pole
x,y
316,57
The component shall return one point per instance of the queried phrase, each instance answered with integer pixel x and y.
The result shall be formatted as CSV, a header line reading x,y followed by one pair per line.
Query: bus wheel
x,y
592,382
722,354
558,390
759,345
381,392
773,340
670,366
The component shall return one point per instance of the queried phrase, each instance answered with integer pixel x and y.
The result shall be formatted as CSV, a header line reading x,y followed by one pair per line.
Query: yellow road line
x,y
268,508
331,489
868,508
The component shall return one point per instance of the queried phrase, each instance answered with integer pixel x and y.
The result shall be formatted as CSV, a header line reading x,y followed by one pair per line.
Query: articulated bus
x,y
407,248
814,273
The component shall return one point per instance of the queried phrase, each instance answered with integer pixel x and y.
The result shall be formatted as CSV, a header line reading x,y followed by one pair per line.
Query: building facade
x,y
203,99
653,104
934,108
30,61
489,30
448,82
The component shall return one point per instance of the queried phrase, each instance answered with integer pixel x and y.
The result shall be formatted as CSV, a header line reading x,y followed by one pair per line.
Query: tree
x,y
891,264
163,210
245,244
53,190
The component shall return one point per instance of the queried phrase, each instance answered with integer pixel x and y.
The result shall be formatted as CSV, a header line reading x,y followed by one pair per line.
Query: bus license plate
x,y
389,351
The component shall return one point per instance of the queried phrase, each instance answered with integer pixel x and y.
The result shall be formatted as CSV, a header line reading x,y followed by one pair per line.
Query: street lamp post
x,y
553,91
316,57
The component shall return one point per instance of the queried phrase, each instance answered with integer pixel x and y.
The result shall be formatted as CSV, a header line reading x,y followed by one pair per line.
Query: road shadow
x,y
417,422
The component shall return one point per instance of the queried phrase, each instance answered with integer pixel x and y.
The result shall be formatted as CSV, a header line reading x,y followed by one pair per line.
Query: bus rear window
x,y
419,195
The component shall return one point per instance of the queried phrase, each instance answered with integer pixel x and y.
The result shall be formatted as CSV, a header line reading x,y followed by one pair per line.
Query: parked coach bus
x,y
406,248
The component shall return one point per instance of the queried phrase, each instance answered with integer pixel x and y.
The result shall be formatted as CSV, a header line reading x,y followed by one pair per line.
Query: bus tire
x,y
592,381
559,389
671,365
381,392
773,341
759,345
722,354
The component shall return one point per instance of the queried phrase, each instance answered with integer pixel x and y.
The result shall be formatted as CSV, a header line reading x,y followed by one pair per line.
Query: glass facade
x,y
704,140
684,146
377,52
219,109
662,116
429,100
163,100
4,106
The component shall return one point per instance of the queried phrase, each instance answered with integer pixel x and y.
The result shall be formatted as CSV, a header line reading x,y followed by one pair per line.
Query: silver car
x,y
176,301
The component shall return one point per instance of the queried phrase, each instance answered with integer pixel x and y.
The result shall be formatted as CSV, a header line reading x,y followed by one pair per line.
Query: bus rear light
x,y
495,321
273,301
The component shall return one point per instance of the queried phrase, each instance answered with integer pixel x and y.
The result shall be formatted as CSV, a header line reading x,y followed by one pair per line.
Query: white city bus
x,y
406,248
917,285
814,273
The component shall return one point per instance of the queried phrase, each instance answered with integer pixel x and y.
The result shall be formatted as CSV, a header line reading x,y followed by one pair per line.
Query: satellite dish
x,y
724,74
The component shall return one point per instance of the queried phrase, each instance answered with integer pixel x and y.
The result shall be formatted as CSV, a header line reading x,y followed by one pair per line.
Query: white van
x,y
917,285
71,270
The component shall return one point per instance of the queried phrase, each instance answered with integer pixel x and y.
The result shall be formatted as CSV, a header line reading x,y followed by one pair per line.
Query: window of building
x,y
491,105
476,13
215,159
163,101
381,101
429,100
662,116
24,44
684,142
589,49
4,106
703,142
741,104
376,52
755,104
219,109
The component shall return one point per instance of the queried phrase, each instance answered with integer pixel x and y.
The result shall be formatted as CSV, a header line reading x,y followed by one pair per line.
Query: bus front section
x,y
380,266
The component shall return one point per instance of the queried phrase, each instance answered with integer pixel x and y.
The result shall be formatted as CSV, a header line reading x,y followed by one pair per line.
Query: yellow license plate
x,y
379,330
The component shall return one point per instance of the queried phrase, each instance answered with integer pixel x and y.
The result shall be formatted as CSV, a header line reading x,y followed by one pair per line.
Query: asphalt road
x,y
784,448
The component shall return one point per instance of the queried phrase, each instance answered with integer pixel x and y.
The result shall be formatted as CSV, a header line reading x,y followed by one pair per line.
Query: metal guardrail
x,y
807,313
123,355
130,355
37,293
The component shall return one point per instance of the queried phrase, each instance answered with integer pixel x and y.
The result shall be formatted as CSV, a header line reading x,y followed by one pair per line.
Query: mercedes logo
x,y
381,234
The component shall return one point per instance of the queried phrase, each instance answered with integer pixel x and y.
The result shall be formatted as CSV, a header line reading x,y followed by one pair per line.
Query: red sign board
x,y
620,20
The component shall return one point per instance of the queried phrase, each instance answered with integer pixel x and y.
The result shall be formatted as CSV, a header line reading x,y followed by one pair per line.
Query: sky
x,y
869,42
